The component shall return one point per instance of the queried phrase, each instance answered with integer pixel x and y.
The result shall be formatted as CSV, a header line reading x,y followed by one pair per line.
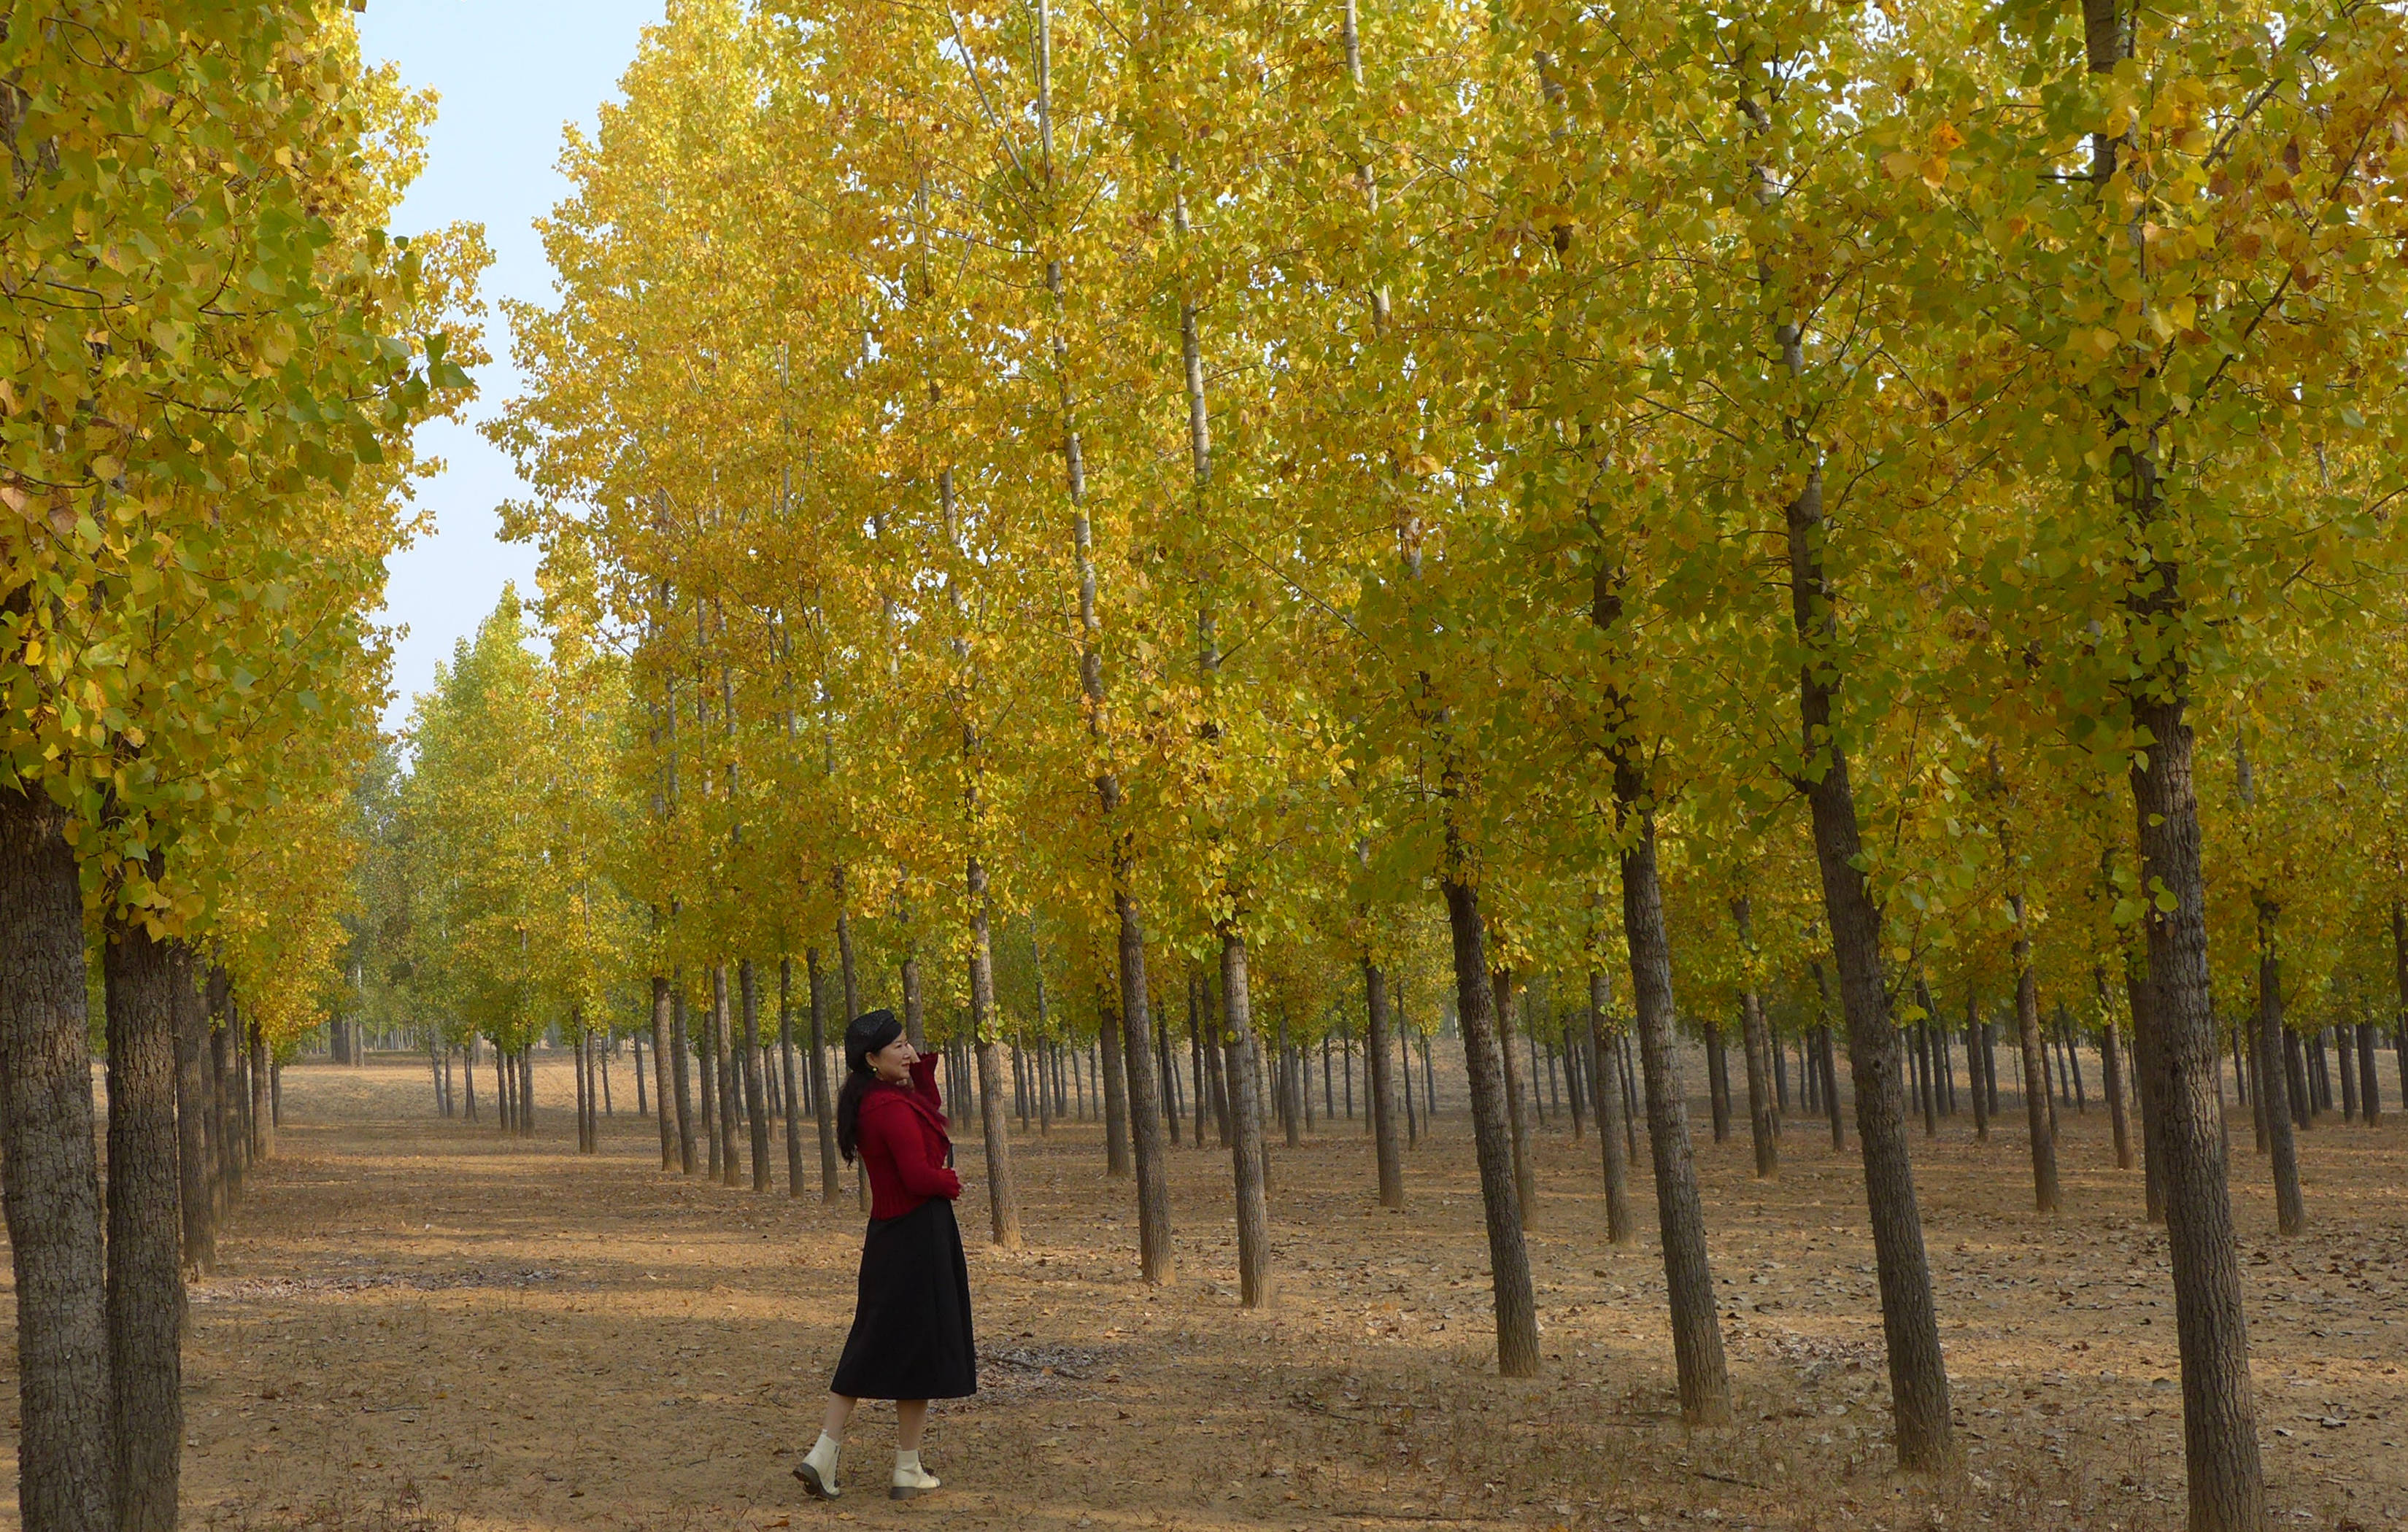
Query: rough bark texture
x,y
681,1052
1704,1382
661,1072
1508,1256
756,1101
262,1115
2370,1095
1390,1159
2281,1148
831,1178
727,1060
1763,1112
2111,1060
1246,1124
2219,1407
2037,1119
1002,1191
1526,1182
192,1118
1910,1321
52,1188
1115,1062
793,1100
1154,1259
146,1278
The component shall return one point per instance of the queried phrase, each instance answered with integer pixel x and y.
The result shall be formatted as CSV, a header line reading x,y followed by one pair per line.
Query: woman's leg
x,y
840,1414
910,1419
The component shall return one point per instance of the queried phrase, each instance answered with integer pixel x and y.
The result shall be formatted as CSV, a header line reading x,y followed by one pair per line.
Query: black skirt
x,y
910,1333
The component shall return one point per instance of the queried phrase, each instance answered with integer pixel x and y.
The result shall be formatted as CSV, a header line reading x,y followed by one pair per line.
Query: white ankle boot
x,y
817,1470
910,1478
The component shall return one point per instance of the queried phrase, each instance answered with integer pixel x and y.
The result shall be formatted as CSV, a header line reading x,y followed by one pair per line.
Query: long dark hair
x,y
867,1034
857,1083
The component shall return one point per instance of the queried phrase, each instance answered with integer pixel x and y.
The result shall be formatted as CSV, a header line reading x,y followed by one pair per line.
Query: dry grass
x,y
421,1327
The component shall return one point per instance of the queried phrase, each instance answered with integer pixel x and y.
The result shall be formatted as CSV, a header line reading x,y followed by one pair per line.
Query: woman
x,y
911,1339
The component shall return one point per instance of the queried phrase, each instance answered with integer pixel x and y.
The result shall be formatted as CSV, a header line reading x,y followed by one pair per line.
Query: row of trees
x,y
212,359
1892,510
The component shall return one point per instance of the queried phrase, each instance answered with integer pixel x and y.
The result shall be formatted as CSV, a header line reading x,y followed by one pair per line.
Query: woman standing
x,y
911,1339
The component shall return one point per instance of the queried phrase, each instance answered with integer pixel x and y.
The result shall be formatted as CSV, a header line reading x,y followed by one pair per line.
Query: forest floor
x,y
420,1326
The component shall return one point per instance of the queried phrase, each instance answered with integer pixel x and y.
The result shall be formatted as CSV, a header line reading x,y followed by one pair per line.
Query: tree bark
x,y
1002,1190
146,1279
1621,1225
2037,1119
1704,1381
1115,1062
1246,1149
1910,1321
1390,1160
192,1119
1154,1259
2111,1062
2370,1097
681,1048
52,1181
733,1070
263,1116
668,1127
831,1178
706,1060
1526,1187
2283,1152
1763,1118
756,1104
1508,1256
794,1100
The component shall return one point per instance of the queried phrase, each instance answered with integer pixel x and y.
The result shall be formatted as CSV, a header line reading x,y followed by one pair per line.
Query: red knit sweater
x,y
900,1134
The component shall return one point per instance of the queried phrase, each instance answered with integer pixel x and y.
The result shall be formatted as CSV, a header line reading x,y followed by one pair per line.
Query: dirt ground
x,y
420,1326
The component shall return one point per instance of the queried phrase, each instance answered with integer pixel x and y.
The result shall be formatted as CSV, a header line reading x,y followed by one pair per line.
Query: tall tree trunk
x,y
1389,1159
146,1279
1918,1371
1002,1190
2111,1064
193,1193
831,1178
1525,1183
2283,1153
263,1116
2370,1096
1508,1256
666,1120
731,1066
1246,1149
1621,1223
1154,1259
584,1132
1108,1041
2226,1478
794,1100
527,1088
681,1052
756,1104
1704,1382
52,1181
1717,1086
705,1059
2037,1119
1763,1116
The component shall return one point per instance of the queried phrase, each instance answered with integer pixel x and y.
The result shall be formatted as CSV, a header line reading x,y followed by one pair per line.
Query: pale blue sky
x,y
511,73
